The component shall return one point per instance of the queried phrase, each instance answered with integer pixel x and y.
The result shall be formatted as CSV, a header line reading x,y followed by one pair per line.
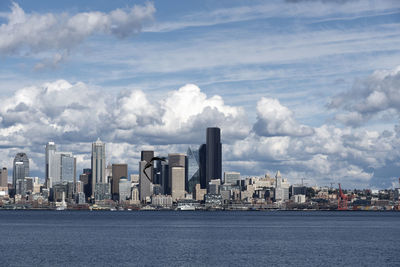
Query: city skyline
x,y
309,88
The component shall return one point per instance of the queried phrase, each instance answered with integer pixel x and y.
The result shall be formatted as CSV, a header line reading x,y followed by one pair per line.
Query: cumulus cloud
x,y
75,114
369,97
274,119
32,33
71,112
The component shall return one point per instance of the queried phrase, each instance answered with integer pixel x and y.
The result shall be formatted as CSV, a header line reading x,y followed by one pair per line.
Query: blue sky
x,y
306,87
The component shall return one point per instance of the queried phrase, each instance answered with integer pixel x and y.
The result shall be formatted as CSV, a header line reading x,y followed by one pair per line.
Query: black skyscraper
x,y
202,166
213,154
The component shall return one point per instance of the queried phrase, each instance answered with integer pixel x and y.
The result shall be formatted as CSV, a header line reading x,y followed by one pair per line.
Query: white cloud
x,y
74,114
32,33
274,119
369,97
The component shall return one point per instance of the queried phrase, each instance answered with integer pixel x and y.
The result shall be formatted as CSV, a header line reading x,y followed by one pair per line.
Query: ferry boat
x,y
187,204
184,206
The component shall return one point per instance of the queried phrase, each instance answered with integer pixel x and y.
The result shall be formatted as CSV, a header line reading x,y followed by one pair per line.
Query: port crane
x,y
342,200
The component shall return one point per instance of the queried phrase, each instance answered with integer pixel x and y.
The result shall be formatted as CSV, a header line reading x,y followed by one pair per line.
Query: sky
x,y
310,88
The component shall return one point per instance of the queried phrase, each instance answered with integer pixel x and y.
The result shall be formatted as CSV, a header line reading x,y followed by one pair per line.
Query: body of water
x,y
158,238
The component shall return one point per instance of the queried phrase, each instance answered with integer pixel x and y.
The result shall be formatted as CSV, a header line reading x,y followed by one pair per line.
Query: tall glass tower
x,y
193,169
98,164
20,171
213,154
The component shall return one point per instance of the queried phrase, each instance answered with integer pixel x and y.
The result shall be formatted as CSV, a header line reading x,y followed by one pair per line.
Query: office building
x,y
119,171
175,160
4,177
29,184
102,192
85,178
281,188
199,193
231,178
109,174
177,183
98,164
213,154
147,155
124,189
202,166
298,190
145,185
193,169
214,186
165,177
60,166
20,171
51,168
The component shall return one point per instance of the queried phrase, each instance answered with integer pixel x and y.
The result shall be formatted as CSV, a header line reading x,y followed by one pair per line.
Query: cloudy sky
x,y
310,88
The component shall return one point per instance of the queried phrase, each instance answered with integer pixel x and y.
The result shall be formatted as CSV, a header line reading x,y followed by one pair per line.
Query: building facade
x,y
213,154
119,171
4,177
20,171
98,162
193,169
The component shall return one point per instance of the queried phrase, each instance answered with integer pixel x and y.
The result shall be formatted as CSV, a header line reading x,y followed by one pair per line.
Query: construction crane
x,y
342,200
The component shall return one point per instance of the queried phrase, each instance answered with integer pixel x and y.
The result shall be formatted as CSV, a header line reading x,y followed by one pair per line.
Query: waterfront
x,y
104,238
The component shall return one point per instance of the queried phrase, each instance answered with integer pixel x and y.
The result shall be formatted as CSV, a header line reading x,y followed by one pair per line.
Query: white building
x,y
281,188
60,166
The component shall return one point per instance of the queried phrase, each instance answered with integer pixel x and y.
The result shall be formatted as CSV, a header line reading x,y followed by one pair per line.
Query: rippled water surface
x,y
163,238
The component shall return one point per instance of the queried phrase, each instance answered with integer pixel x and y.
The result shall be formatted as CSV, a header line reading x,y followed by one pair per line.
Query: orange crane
x,y
342,200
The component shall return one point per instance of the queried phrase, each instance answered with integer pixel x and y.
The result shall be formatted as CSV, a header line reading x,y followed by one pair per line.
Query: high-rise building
x,y
124,189
213,154
119,171
281,188
51,168
214,187
193,169
4,177
20,171
147,155
85,178
231,178
177,183
165,177
144,182
98,164
60,166
202,166
175,160
102,191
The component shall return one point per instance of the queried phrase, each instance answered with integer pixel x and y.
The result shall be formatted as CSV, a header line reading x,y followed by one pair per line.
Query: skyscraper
x,y
20,171
51,169
119,171
202,166
144,181
213,154
4,177
281,188
177,183
193,169
147,155
98,164
175,160
60,166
